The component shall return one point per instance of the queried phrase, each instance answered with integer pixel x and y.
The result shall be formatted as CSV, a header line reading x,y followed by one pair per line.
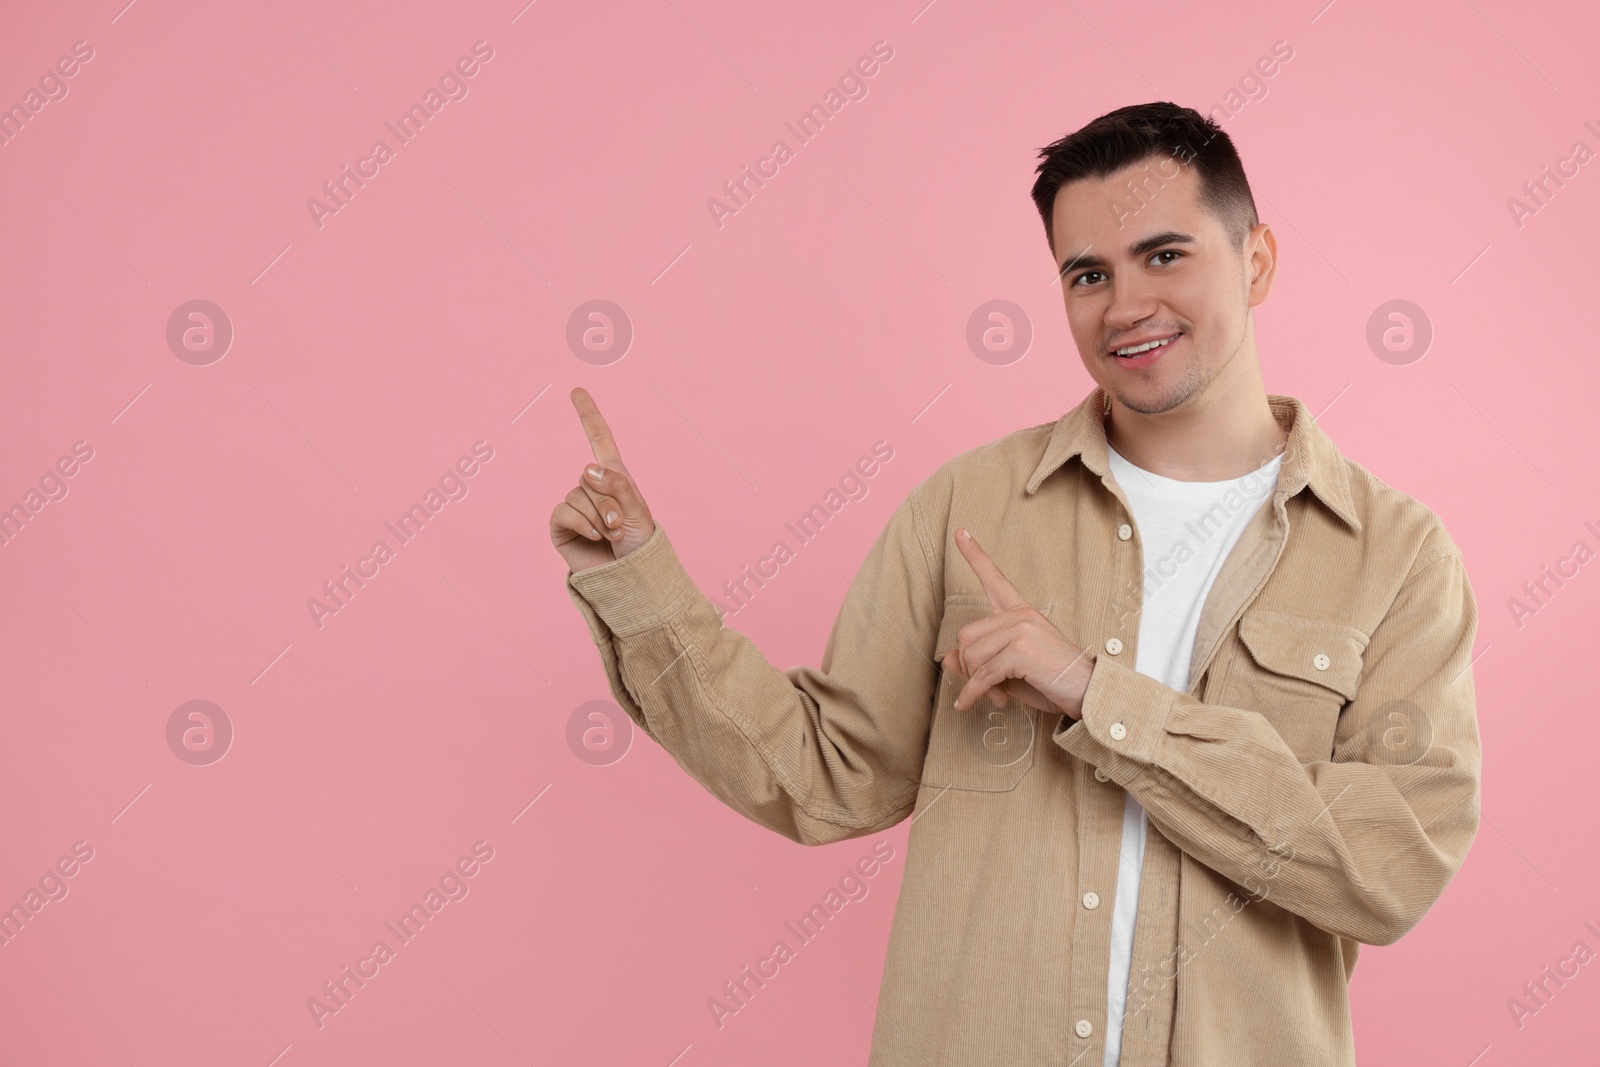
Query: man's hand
x,y
609,503
1016,651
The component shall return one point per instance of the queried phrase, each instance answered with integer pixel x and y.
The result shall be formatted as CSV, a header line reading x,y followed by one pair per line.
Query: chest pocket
x,y
984,747
1298,672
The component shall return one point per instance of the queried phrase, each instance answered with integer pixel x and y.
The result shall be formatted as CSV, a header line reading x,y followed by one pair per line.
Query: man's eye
x,y
1089,274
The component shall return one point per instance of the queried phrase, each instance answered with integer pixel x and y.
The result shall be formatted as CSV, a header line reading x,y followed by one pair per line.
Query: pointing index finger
x,y
601,441
1002,594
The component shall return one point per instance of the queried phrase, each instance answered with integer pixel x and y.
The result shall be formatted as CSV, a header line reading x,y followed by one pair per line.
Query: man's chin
x,y
1154,399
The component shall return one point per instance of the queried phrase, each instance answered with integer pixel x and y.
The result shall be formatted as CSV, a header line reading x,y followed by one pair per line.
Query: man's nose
x,y
1131,302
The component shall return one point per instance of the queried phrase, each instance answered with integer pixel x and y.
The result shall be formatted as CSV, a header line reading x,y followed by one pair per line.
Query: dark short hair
x,y
1133,134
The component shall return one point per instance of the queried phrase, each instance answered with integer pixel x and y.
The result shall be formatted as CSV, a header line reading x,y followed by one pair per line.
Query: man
x,y
1187,720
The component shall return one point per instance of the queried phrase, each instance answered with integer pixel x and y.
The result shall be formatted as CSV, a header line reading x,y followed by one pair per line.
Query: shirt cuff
x,y
1123,719
640,591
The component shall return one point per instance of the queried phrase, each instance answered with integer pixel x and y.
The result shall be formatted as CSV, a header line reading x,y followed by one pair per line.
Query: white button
x,y
1084,1028
1113,645
1124,531
1118,731
1322,661
1101,776
1091,900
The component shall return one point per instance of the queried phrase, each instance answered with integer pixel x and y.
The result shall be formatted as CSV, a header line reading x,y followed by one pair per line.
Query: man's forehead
x,y
1142,186
1106,217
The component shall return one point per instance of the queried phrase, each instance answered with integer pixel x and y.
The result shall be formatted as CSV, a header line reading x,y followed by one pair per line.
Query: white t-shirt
x,y
1187,530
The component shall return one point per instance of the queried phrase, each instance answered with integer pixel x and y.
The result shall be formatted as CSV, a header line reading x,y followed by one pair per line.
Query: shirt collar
x,y
1309,459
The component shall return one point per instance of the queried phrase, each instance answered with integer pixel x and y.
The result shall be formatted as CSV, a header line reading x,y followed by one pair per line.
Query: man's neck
x,y
1212,440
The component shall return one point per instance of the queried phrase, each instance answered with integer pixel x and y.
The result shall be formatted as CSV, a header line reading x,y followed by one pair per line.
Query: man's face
x,y
1154,266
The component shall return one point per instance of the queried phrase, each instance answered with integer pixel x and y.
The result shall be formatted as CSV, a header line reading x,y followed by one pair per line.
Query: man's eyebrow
x,y
1085,261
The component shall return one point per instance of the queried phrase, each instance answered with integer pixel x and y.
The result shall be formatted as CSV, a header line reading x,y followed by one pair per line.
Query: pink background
x,y
769,354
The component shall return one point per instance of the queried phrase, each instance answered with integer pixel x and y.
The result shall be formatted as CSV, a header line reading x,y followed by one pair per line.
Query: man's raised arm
x,y
816,754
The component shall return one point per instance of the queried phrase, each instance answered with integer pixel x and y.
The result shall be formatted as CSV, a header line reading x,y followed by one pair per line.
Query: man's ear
x,y
1261,263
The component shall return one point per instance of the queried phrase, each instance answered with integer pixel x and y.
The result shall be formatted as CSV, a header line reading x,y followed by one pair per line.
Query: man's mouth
x,y
1140,348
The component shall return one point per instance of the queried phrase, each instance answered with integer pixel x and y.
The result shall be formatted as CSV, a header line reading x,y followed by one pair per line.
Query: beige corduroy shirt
x,y
1314,789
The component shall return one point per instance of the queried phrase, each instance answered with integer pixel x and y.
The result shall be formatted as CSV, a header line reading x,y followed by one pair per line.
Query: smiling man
x,y
1179,700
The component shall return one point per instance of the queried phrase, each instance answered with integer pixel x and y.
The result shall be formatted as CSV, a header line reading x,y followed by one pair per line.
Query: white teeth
x,y
1136,349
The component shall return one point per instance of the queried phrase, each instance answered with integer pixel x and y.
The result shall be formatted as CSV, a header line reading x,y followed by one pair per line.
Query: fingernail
x,y
595,474
611,516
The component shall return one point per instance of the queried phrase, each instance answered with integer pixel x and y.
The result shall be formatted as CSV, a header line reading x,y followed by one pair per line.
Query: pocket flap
x,y
1316,650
